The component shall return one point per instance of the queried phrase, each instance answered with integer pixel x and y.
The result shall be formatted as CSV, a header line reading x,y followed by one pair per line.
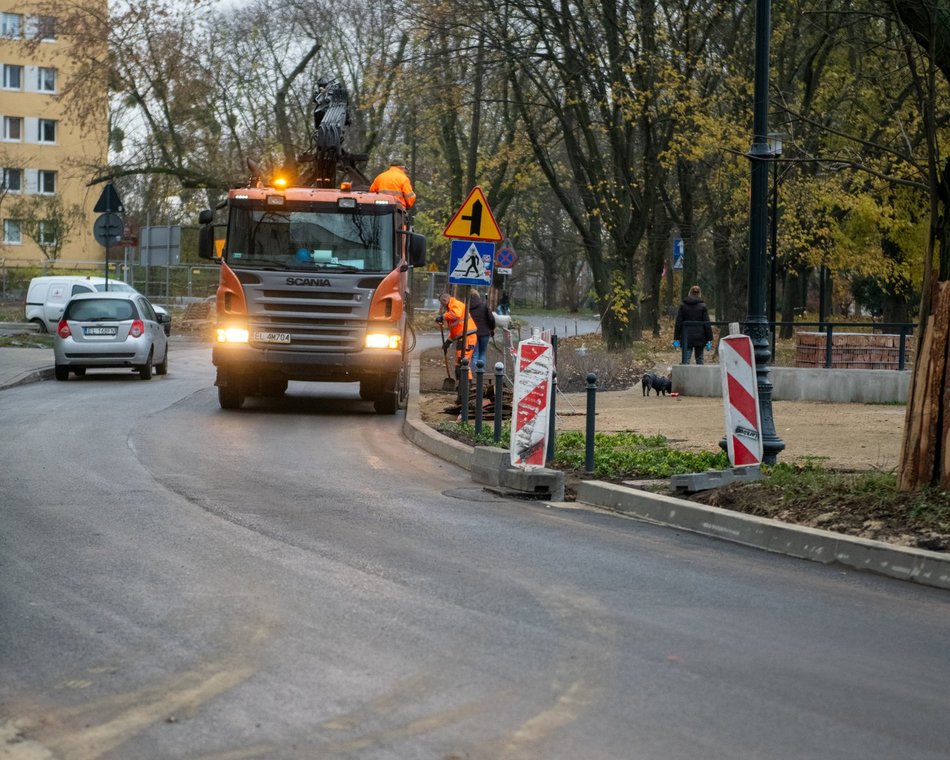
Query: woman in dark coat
x,y
699,334
485,323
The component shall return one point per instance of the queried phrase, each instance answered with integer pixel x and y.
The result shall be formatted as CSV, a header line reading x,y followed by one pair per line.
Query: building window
x,y
46,28
12,77
12,234
46,79
47,232
47,131
13,128
12,180
11,25
45,182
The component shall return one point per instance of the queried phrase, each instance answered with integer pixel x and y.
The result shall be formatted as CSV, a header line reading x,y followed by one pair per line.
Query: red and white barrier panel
x,y
740,396
534,369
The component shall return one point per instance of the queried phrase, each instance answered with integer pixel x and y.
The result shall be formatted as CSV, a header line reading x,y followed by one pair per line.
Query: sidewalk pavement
x,y
27,365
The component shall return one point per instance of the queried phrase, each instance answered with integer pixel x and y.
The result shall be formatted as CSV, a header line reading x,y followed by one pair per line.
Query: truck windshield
x,y
288,239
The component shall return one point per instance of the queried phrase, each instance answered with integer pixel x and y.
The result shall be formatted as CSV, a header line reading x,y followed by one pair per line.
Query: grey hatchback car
x,y
110,329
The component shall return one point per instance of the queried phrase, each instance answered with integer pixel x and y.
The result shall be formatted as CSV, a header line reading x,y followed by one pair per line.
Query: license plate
x,y
99,330
271,337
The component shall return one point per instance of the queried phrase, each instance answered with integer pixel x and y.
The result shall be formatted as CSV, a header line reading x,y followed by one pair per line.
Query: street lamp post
x,y
757,326
775,146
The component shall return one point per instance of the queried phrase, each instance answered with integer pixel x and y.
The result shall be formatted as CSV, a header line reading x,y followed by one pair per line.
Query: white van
x,y
47,298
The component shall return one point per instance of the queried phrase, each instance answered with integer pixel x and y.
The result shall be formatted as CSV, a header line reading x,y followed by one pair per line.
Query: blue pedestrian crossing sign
x,y
470,262
678,253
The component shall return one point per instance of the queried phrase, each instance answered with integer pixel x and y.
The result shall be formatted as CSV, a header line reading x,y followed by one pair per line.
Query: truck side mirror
x,y
205,216
206,241
417,249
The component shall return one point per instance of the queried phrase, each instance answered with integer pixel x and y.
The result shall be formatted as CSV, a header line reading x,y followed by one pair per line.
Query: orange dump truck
x,y
315,280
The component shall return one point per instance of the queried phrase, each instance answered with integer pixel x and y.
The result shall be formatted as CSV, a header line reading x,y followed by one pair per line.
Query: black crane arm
x,y
327,156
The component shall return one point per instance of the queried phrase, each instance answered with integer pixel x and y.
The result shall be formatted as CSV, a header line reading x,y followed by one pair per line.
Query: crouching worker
x,y
461,330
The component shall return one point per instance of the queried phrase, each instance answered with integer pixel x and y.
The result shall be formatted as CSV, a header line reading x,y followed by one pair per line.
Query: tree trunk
x,y
658,243
925,450
730,295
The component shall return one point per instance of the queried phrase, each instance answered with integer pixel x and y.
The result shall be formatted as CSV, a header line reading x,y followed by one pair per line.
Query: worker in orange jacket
x,y
454,317
395,181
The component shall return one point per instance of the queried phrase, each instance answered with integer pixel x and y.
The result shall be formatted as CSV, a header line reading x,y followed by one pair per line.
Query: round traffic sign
x,y
505,258
107,229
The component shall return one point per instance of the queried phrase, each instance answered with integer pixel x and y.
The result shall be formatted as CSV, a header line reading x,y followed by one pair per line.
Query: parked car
x,y
110,329
47,297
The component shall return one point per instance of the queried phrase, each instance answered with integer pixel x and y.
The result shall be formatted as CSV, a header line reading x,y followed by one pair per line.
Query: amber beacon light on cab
x,y
315,275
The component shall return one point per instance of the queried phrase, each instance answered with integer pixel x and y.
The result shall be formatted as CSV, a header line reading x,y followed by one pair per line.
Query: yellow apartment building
x,y
46,156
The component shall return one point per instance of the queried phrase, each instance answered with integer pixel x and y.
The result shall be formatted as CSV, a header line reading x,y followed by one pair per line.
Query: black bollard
x,y
549,454
463,389
499,397
591,411
479,394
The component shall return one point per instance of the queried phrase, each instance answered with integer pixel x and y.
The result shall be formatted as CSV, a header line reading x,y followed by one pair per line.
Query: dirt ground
x,y
839,436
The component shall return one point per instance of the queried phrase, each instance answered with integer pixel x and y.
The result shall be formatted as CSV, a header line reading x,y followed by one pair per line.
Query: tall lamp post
x,y
775,147
756,325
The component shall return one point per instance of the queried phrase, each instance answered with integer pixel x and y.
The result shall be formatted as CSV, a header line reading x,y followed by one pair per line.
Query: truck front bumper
x,y
249,360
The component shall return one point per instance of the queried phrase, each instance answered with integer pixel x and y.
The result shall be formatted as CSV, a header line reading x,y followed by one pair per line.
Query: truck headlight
x,y
232,334
383,340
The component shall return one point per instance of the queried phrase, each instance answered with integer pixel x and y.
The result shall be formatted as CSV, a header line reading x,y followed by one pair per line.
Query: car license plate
x,y
99,331
271,337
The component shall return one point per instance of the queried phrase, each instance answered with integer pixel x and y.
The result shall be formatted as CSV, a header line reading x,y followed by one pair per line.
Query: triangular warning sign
x,y
109,201
474,220
470,267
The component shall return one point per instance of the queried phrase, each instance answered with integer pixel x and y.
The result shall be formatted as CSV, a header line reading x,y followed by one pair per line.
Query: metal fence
x,y
165,285
834,345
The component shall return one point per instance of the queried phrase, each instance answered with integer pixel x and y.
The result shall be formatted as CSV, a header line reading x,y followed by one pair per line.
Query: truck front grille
x,y
319,320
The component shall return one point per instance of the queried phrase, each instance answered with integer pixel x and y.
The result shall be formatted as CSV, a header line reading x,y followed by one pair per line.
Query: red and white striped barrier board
x,y
532,402
740,396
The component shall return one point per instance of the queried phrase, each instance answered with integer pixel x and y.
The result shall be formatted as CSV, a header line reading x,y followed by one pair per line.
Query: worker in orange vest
x,y
453,314
395,181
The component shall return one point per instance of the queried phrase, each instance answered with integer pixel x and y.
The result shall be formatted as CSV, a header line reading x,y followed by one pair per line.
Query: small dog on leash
x,y
659,383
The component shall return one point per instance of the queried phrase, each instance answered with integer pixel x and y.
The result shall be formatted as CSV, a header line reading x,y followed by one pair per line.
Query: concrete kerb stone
x,y
904,563
32,376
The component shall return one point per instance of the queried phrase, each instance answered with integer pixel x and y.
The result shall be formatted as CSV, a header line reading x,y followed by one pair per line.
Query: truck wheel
x,y
392,396
40,325
385,403
370,389
230,396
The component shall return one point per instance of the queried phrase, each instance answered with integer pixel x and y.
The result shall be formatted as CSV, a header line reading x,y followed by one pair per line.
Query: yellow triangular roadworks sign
x,y
474,220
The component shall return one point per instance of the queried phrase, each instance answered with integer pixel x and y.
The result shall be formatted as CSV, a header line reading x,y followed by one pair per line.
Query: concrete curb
x,y
488,466
917,565
32,376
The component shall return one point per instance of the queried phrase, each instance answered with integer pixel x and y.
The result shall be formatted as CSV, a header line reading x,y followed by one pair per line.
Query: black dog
x,y
659,383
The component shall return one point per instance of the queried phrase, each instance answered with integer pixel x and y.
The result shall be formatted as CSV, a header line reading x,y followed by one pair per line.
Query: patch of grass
x,y
932,509
11,312
465,432
628,455
617,456
26,340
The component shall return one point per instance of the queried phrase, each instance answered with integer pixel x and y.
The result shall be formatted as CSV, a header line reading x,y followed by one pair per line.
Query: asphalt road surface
x,y
294,580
